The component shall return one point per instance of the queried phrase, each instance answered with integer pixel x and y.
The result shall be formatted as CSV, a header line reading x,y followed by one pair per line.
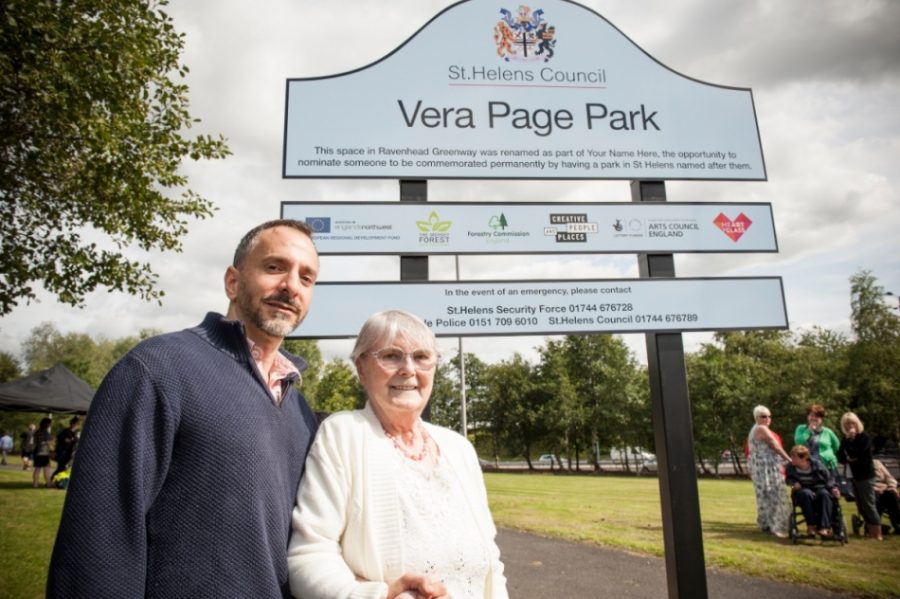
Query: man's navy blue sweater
x,y
185,475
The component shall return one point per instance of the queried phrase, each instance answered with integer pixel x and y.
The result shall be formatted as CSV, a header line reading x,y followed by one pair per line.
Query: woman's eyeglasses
x,y
391,358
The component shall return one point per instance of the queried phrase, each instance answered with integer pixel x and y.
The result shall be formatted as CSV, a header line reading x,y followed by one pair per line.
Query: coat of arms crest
x,y
525,36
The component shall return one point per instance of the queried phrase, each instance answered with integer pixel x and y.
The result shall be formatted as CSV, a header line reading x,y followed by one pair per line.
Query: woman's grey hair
x,y
383,328
759,410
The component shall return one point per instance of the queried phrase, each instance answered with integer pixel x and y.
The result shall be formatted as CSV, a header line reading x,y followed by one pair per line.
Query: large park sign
x,y
489,89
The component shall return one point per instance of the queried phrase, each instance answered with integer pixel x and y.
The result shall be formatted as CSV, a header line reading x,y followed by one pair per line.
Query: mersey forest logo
x,y
434,231
525,36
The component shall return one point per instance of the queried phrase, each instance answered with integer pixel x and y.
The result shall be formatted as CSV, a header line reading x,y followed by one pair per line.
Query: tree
x,y
564,411
874,361
339,389
443,406
514,407
475,393
818,372
46,347
9,367
719,383
13,422
93,129
310,379
612,409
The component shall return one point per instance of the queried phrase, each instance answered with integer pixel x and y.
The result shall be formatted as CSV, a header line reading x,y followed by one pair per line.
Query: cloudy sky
x,y
825,76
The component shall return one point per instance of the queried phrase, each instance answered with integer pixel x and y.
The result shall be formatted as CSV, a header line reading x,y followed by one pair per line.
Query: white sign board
x,y
490,89
553,307
529,228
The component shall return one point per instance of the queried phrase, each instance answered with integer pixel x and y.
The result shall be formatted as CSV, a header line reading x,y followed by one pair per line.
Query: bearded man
x,y
194,445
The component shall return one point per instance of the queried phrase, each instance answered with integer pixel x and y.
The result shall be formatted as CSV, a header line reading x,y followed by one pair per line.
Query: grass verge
x,y
624,513
620,512
28,529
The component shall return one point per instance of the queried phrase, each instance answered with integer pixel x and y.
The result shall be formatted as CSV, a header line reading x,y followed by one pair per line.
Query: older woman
x,y
821,441
856,451
886,498
767,457
391,506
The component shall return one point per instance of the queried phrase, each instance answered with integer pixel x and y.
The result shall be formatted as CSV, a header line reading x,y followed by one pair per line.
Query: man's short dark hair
x,y
249,239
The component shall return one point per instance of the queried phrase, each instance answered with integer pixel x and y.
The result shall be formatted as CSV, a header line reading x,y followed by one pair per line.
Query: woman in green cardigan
x,y
821,440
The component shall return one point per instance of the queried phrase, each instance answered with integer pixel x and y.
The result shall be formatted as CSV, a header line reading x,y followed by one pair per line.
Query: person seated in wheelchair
x,y
814,489
886,497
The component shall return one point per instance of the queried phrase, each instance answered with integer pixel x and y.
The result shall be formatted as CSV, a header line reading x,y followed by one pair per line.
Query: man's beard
x,y
279,325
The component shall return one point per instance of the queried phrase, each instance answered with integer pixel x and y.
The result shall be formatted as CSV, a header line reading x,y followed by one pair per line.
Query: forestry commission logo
x,y
498,222
525,36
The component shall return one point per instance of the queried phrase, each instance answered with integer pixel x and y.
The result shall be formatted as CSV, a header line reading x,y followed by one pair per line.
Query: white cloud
x,y
826,86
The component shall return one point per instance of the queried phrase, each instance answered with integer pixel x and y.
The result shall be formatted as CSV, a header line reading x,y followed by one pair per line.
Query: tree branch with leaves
x,y
94,128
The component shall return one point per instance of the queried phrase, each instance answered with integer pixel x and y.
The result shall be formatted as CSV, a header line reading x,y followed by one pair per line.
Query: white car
x,y
637,457
548,458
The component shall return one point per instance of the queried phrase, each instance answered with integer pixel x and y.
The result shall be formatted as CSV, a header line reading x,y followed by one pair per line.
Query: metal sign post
x,y
674,435
415,268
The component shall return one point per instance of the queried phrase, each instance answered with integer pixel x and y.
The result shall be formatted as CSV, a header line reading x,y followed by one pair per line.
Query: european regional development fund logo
x,y
319,224
525,36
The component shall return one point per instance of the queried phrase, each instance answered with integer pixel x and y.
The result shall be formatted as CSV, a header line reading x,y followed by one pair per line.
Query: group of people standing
x,y
39,447
202,471
811,472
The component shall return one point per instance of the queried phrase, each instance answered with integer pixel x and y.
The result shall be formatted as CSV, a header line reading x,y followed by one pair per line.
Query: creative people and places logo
x,y
525,36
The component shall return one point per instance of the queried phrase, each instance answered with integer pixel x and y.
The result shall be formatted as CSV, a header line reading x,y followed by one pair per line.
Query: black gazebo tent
x,y
53,390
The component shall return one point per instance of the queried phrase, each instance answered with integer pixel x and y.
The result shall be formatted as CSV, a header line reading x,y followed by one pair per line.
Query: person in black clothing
x,y
812,488
856,451
43,445
66,441
28,446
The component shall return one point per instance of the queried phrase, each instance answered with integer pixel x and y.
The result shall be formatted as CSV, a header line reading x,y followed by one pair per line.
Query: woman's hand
x,y
416,586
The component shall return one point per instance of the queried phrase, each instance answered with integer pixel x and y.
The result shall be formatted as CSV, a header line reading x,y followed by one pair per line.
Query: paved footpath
x,y
541,568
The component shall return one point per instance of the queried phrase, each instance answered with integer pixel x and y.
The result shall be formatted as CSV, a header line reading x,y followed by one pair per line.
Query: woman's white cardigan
x,y
346,524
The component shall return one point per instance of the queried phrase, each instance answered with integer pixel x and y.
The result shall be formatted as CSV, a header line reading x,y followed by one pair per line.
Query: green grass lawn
x,y
624,512
621,512
29,518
